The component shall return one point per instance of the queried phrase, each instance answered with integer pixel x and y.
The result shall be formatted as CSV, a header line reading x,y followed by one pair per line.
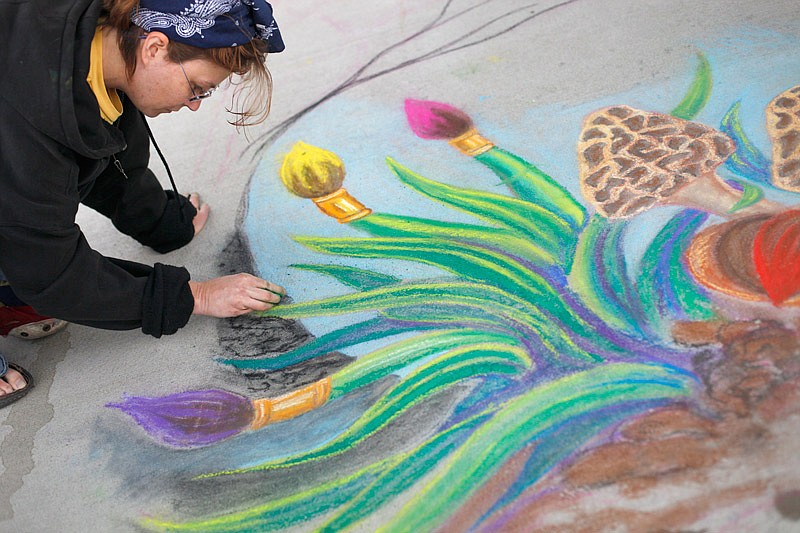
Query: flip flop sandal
x,y
10,398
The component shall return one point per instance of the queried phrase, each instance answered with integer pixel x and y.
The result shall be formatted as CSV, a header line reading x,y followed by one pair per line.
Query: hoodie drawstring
x,y
163,159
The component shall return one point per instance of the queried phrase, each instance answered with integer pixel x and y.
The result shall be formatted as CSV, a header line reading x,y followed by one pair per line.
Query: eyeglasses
x,y
196,97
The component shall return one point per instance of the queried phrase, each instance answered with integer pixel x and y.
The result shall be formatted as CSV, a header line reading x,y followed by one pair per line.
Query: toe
x,y
15,379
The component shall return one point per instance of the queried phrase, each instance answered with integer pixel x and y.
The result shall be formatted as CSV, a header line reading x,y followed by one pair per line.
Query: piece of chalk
x,y
273,292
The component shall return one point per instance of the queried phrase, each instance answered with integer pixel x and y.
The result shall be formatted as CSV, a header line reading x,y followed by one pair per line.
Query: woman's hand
x,y
234,295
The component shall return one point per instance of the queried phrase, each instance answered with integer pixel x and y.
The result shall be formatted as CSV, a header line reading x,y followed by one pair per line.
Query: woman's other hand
x,y
203,210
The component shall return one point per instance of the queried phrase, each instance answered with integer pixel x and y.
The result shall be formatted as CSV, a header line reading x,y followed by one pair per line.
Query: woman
x,y
80,77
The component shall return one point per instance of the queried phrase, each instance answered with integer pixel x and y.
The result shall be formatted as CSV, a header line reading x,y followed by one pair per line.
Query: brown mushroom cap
x,y
721,258
783,126
630,159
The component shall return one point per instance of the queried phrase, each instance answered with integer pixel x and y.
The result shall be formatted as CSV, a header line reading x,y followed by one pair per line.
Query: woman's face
x,y
160,85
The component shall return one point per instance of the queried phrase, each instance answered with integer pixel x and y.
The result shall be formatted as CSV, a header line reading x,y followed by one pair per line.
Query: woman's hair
x,y
253,92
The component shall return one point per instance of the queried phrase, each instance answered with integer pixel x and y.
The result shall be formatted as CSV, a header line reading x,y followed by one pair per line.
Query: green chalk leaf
x,y
520,421
747,160
449,368
352,335
666,288
516,313
352,277
464,260
529,183
471,263
497,239
356,495
751,194
388,359
403,473
533,222
698,93
602,285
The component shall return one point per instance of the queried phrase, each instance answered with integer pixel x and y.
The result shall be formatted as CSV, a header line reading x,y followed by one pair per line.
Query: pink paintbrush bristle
x,y
435,120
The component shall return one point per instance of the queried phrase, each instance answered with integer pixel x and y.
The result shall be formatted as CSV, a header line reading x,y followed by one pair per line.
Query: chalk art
x,y
567,369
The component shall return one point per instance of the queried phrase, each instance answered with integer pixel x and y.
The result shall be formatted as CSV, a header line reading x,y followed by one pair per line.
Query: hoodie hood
x,y
45,59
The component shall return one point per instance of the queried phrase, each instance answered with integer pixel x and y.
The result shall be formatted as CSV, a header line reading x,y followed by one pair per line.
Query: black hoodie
x,y
56,152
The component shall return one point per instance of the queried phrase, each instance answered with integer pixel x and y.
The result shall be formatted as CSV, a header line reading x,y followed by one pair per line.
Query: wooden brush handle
x,y
342,206
291,405
471,143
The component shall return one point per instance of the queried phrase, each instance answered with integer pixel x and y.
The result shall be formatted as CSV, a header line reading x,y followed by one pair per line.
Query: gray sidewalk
x,y
70,464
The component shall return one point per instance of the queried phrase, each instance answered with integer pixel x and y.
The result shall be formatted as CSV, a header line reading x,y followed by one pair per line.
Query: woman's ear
x,y
154,47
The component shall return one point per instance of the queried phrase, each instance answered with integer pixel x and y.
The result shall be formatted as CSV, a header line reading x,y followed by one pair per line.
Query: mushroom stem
x,y
713,195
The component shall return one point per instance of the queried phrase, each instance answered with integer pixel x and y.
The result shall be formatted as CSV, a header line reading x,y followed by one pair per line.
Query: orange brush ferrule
x,y
290,405
342,206
472,143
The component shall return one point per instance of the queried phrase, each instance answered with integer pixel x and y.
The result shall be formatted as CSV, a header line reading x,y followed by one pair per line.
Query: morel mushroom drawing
x,y
631,160
783,127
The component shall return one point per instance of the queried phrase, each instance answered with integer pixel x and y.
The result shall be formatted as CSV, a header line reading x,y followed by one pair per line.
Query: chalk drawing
x,y
567,369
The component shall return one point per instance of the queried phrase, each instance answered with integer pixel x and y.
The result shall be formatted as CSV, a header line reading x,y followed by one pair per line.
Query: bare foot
x,y
203,210
12,381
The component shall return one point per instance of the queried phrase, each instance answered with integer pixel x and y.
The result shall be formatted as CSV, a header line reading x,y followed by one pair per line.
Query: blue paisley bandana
x,y
210,23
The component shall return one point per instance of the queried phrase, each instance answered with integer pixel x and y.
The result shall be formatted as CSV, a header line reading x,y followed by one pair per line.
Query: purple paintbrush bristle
x,y
435,120
189,419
